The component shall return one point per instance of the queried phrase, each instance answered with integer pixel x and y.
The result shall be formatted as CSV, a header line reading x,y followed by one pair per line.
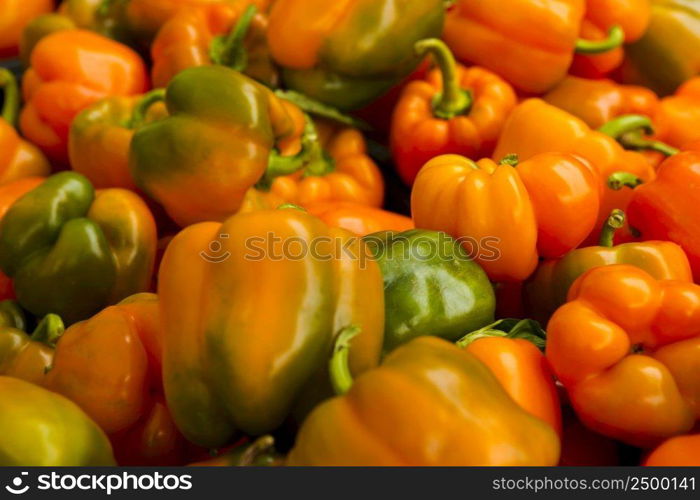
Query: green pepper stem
x,y
10,106
312,158
625,124
619,180
11,315
615,39
453,100
629,131
49,330
138,116
339,368
525,329
256,448
614,222
510,159
229,50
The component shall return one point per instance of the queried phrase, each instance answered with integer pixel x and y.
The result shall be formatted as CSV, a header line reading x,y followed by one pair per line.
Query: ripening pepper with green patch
x,y
68,437
250,318
72,251
347,53
214,145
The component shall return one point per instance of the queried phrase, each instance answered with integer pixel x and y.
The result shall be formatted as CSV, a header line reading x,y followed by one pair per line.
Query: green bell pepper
x,y
431,286
71,251
42,428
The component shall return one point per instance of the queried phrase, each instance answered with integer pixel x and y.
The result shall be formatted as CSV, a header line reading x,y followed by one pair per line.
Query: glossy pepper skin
x,y
337,167
669,52
231,33
596,102
520,368
454,110
110,366
679,451
675,120
530,44
18,158
242,368
351,53
45,429
549,286
200,160
511,235
72,251
666,208
63,80
100,135
630,17
40,27
537,127
23,355
626,347
15,16
259,453
429,403
359,219
431,286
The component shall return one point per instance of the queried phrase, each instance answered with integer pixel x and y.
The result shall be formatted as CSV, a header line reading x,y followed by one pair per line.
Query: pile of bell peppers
x,y
359,232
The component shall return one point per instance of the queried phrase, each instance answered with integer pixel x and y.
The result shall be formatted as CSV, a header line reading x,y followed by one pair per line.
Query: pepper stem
x,y
615,39
49,330
618,180
510,159
10,105
453,100
526,329
138,116
629,131
614,222
229,50
312,158
339,368
256,448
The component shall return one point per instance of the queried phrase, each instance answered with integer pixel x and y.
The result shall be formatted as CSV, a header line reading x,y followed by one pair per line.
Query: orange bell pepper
x,y
15,16
18,158
430,403
536,127
677,117
529,43
65,78
614,22
336,167
455,110
679,451
100,135
359,219
626,347
519,366
547,290
667,208
596,102
546,206
110,366
228,32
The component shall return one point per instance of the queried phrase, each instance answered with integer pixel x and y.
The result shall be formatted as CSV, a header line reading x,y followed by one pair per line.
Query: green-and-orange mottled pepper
x,y
71,250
